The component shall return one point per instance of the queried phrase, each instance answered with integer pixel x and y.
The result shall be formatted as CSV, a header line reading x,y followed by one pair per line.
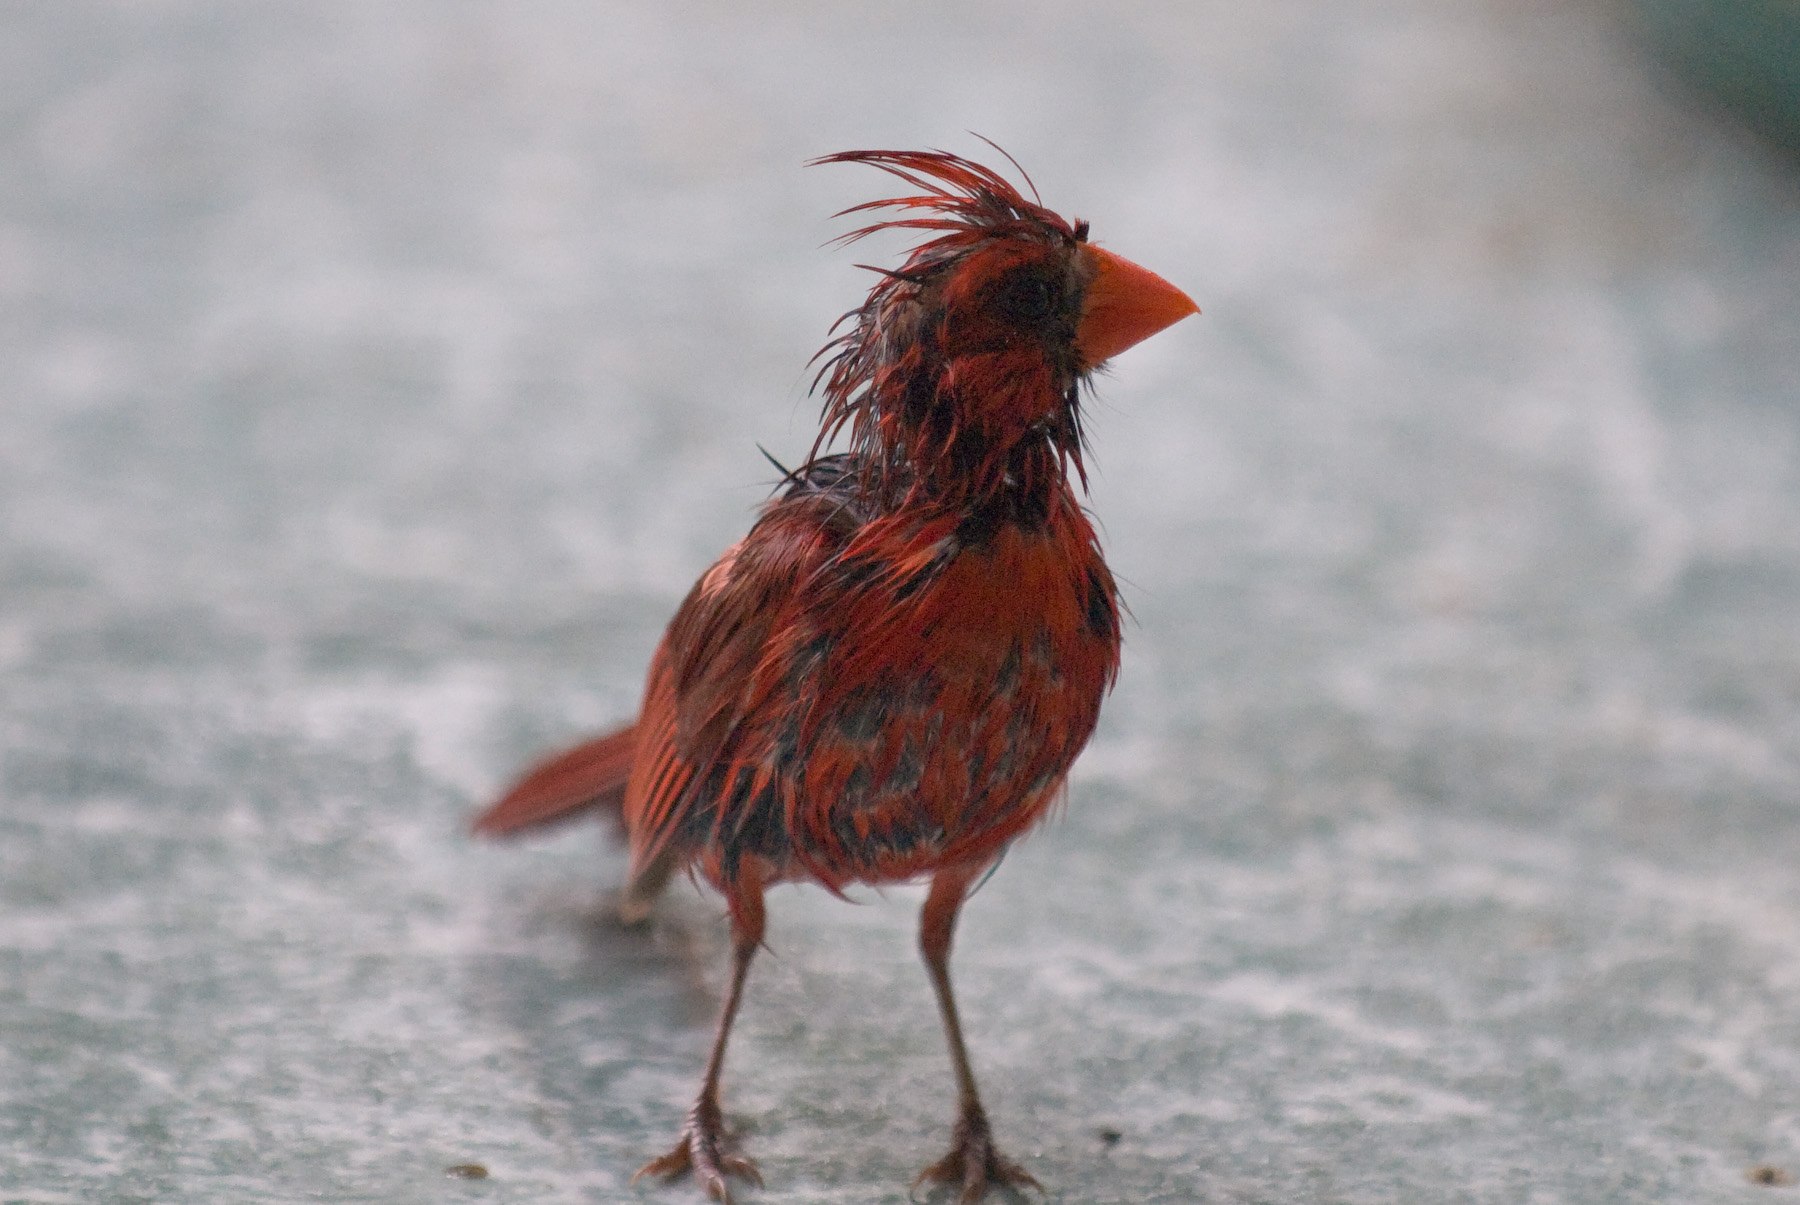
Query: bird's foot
x,y
975,1164
704,1150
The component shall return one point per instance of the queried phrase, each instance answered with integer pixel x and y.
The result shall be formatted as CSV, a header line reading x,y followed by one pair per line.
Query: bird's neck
x,y
986,440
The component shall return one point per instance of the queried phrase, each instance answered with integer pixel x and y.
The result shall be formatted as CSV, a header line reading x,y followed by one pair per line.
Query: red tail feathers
x,y
587,777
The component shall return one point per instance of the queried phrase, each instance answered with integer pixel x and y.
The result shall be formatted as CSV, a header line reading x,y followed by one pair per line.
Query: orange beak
x,y
1125,305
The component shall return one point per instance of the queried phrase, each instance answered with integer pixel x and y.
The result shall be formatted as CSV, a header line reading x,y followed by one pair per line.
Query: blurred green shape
x,y
1745,53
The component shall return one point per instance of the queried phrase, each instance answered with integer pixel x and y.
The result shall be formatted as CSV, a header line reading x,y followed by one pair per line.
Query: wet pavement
x,y
377,378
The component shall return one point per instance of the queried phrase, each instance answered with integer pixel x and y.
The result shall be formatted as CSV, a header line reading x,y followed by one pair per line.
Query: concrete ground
x,y
375,378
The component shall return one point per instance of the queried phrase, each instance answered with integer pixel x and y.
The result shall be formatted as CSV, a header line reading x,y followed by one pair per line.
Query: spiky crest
x,y
879,378
962,198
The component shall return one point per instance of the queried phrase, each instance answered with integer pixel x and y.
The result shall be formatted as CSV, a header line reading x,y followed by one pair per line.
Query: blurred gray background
x,y
375,379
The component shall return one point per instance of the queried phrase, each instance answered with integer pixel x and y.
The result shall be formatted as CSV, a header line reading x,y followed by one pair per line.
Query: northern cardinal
x,y
890,675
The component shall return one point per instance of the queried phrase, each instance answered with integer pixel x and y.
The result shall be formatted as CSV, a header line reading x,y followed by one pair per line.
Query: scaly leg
x,y
703,1147
973,1161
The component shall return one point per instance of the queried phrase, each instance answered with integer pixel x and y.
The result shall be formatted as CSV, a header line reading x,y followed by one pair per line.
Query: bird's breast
x,y
941,706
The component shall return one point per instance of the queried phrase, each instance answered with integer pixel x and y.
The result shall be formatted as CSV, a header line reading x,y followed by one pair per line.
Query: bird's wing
x,y
721,682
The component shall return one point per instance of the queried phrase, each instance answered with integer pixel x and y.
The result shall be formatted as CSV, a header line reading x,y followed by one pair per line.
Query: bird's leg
x,y
973,1162
703,1147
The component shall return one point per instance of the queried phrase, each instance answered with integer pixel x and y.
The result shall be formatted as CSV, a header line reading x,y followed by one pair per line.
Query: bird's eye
x,y
1026,298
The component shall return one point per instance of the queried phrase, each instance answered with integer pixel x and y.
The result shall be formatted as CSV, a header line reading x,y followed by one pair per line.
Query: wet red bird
x,y
889,676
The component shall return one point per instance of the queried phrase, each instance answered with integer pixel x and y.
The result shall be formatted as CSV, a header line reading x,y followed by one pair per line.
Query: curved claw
x,y
976,1165
703,1149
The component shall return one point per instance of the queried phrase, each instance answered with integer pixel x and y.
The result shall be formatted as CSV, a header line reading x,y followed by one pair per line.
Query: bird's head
x,y
968,360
